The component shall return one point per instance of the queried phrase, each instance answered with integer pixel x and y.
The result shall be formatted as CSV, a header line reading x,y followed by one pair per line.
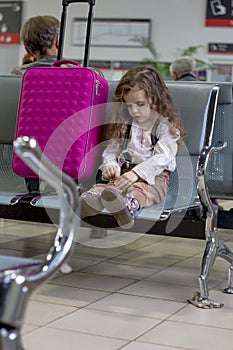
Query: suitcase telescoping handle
x,y
65,3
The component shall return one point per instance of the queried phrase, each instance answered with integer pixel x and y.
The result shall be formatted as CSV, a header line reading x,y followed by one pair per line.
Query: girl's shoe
x,y
122,207
90,204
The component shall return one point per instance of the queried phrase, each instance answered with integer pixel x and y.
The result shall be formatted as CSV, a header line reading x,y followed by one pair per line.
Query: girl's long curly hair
x,y
145,78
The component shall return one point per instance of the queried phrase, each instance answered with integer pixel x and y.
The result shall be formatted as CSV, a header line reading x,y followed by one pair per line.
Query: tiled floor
x,y
126,291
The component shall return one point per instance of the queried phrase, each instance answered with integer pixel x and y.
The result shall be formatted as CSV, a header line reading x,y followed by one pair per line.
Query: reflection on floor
x,y
126,291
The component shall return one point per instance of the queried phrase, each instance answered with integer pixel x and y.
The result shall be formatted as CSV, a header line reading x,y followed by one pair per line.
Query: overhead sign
x,y
219,13
10,22
220,48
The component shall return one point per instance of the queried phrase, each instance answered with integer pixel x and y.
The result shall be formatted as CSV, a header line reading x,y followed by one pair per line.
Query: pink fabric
x,y
55,108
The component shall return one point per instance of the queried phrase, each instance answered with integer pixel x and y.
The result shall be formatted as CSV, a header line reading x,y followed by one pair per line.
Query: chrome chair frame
x,y
214,247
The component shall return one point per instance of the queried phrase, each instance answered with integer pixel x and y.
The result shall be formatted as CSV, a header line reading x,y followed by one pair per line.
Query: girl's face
x,y
139,106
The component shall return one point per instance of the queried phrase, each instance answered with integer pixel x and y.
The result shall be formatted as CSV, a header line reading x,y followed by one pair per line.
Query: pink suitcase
x,y
63,108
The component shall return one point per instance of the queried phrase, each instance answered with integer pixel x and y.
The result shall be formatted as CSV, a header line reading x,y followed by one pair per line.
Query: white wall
x,y
176,25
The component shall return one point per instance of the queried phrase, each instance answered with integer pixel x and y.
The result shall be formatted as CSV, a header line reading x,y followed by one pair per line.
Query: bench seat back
x,y
220,172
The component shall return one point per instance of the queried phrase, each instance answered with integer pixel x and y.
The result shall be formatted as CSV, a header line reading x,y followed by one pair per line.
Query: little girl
x,y
143,139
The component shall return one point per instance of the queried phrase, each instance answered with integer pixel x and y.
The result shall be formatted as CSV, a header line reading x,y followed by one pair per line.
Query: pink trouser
x,y
145,194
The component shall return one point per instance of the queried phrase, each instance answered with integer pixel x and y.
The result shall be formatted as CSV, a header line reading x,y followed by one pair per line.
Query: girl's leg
x,y
90,201
122,206
139,195
148,195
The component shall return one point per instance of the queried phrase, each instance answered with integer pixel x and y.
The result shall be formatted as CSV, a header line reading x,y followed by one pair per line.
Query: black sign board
x,y
220,48
219,13
10,21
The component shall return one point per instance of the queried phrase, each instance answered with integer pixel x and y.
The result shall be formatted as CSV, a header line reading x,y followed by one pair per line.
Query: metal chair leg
x,y
201,299
10,339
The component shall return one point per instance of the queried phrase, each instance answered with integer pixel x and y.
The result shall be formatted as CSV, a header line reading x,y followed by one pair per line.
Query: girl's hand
x,y
126,180
111,173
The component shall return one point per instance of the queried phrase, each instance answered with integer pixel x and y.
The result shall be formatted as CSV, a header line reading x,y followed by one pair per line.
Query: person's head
x,y
182,65
40,36
144,82
142,90
140,93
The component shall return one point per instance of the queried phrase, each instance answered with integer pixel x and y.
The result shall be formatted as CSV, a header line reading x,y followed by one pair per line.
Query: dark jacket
x,y
188,77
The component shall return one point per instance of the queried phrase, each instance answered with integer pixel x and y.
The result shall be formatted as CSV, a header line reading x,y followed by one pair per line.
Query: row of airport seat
x,y
204,171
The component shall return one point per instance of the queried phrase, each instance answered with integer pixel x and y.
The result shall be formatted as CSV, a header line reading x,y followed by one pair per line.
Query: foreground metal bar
x,y
18,282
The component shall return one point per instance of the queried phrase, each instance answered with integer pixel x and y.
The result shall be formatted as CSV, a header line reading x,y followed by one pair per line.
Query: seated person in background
x,y
143,138
184,68
40,37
